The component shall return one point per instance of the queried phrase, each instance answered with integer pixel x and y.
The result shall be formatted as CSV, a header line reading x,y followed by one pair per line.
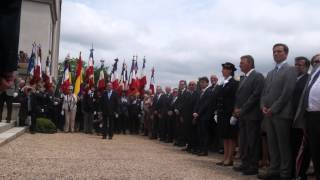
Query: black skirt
x,y
225,129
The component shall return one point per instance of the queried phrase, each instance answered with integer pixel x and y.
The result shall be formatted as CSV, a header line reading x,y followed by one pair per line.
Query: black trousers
x,y
33,127
9,100
313,132
203,133
193,142
170,127
123,120
249,143
108,126
180,130
155,126
163,127
134,123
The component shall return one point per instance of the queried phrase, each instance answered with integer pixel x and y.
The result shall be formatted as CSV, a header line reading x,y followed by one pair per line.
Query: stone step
x,y
11,134
6,126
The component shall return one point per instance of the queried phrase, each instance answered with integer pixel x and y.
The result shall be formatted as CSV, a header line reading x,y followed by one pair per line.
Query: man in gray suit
x,y
308,113
247,97
277,109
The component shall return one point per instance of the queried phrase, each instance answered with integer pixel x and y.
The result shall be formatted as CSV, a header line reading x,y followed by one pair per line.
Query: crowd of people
x,y
273,120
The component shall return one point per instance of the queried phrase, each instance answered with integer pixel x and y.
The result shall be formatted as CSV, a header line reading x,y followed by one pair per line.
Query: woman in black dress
x,y
225,106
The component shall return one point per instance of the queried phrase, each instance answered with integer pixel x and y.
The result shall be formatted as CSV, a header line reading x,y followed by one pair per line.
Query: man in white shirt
x,y
308,113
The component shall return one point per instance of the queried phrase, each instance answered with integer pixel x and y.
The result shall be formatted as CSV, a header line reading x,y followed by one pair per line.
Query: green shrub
x,y
45,125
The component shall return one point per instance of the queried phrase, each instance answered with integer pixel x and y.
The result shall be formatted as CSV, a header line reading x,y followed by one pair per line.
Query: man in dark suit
x,y
10,11
247,97
215,141
277,109
308,113
160,110
202,114
182,111
110,110
87,106
302,66
190,125
171,120
165,123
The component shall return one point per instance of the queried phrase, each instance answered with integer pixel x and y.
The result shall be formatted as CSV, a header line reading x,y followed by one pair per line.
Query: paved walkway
x,y
81,156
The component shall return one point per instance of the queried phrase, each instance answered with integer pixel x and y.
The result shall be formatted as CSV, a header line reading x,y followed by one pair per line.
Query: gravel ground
x,y
81,156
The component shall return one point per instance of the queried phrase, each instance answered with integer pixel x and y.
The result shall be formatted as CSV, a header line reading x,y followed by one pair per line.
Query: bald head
x,y
213,79
192,86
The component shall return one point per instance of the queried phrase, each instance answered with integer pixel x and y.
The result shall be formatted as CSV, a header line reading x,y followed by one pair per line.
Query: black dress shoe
x,y
228,164
202,154
250,172
240,168
220,163
268,176
104,137
221,151
194,151
181,145
185,149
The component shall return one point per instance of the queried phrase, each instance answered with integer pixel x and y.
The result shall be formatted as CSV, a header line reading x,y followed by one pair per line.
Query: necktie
x,y
243,79
306,95
274,73
29,103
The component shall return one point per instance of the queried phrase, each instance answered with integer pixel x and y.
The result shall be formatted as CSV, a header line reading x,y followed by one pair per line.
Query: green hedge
x,y
45,125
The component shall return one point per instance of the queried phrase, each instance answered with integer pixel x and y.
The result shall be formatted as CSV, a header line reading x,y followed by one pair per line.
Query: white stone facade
x,y
40,23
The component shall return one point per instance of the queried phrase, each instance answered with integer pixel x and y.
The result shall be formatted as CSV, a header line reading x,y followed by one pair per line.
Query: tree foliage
x,y
73,66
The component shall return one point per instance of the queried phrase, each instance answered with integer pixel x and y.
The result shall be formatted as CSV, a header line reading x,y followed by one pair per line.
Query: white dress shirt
x,y
279,66
314,95
248,73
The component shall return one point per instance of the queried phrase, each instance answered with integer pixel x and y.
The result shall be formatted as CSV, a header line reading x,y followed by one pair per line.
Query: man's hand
x,y
181,119
177,111
195,115
236,112
267,111
6,80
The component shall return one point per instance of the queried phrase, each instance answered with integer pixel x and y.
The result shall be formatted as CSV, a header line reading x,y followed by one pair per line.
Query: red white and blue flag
x,y
152,82
90,70
102,80
66,80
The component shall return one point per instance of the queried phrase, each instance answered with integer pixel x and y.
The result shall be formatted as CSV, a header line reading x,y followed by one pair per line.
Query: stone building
x,y
40,23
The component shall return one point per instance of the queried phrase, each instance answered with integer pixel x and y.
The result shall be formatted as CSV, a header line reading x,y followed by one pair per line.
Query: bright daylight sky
x,y
185,39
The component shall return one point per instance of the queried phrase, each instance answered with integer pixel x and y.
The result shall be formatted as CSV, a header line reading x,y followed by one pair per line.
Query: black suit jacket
x,y
88,103
226,96
185,106
248,96
300,84
160,105
110,106
204,106
10,11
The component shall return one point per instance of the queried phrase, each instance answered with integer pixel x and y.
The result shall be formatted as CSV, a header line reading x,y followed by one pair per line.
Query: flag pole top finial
x,y
91,47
